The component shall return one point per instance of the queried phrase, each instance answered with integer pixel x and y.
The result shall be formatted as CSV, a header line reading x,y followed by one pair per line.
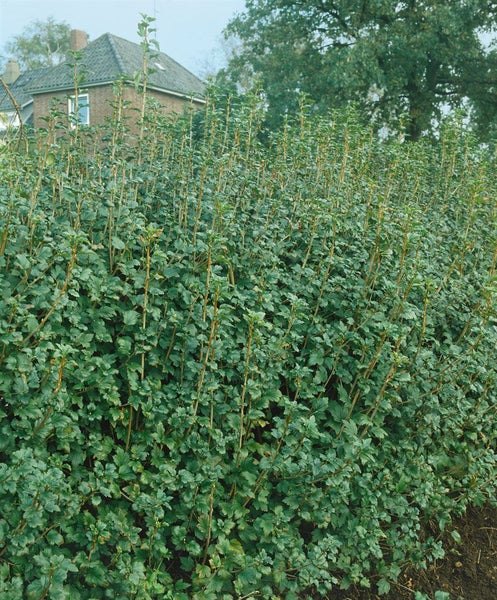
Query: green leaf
x,y
130,317
248,577
117,243
456,536
383,587
23,261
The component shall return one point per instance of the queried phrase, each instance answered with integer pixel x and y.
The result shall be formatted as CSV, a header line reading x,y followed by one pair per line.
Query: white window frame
x,y
83,101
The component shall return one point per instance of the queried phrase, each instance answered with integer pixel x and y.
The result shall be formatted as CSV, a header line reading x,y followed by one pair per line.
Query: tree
x,y
484,102
400,62
41,44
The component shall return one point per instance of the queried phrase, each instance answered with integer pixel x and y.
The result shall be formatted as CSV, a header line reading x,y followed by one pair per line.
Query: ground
x,y
468,571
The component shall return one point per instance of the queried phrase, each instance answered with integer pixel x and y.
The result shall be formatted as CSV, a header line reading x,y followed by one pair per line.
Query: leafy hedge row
x,y
232,369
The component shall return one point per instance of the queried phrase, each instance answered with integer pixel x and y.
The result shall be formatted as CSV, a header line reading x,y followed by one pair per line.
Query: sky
x,y
189,31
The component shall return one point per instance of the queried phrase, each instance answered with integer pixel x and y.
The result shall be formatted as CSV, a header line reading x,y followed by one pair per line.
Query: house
x,y
103,62
16,103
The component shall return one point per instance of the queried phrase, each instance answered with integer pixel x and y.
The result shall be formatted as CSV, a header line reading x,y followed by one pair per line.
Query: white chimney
x,y
12,72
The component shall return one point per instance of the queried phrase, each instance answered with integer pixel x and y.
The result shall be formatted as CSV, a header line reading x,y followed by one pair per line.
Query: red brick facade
x,y
101,100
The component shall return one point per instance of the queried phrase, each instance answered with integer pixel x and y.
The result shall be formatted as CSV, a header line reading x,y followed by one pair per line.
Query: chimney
x,y
12,72
79,39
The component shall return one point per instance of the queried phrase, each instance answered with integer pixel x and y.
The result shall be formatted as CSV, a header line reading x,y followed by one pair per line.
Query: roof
x,y
20,89
109,58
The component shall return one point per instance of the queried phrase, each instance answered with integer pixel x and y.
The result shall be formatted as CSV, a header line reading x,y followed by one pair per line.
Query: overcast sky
x,y
187,30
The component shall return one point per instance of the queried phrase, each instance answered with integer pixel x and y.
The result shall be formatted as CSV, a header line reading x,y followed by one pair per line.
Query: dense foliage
x,y
405,63
230,370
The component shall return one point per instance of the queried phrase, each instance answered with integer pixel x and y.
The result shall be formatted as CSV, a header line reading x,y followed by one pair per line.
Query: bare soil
x,y
468,571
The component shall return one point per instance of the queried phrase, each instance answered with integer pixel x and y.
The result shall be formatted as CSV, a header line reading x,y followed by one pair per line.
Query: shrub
x,y
229,368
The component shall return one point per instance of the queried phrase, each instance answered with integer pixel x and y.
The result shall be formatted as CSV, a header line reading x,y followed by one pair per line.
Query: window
x,y
82,114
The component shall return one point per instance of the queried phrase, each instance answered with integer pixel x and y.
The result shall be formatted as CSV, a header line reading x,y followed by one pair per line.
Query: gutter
x,y
112,82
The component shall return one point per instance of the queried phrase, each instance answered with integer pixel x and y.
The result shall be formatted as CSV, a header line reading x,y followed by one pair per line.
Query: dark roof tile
x,y
20,89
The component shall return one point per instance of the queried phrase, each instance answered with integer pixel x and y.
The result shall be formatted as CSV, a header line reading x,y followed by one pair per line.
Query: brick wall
x,y
100,101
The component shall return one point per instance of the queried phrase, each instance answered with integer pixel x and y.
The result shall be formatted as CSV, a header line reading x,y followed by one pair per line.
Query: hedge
x,y
236,365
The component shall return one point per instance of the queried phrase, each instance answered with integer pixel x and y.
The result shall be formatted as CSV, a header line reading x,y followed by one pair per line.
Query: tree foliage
x,y
484,100
402,63
41,44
